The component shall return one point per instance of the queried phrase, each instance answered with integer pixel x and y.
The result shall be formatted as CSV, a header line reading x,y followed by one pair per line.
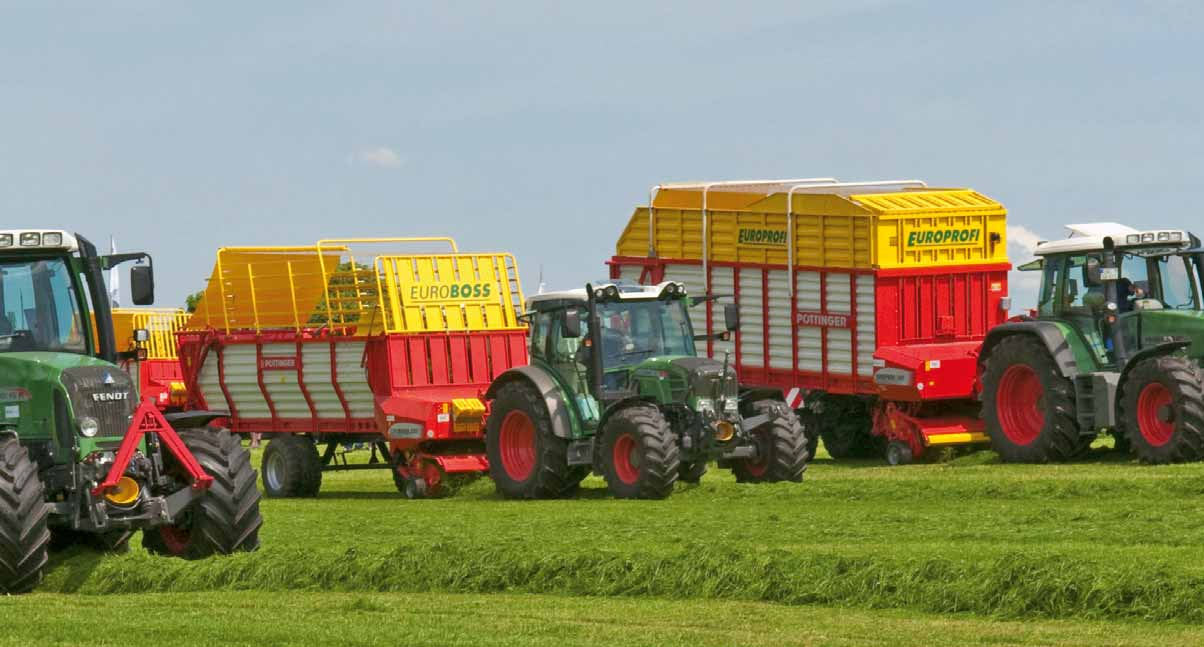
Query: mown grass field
x,y
1103,551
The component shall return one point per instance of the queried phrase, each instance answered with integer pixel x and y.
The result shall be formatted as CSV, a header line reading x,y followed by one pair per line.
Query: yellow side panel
x,y
450,292
634,239
160,324
938,228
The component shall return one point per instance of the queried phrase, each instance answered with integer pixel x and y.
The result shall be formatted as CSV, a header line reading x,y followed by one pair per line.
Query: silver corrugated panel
x,y
810,340
780,321
838,293
866,316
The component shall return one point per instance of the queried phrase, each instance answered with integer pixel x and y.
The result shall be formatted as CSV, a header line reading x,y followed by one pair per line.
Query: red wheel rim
x,y
1018,404
758,468
175,539
516,444
627,459
1155,415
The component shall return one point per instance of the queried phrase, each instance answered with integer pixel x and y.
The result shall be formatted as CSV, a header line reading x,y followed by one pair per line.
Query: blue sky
x,y
535,127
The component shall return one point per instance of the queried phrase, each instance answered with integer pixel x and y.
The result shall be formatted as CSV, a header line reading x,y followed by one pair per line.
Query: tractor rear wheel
x,y
1162,410
640,458
1028,407
527,460
24,535
291,467
225,519
781,448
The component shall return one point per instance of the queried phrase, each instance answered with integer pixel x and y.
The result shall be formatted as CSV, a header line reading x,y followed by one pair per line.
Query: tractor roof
x,y
1090,237
29,239
626,292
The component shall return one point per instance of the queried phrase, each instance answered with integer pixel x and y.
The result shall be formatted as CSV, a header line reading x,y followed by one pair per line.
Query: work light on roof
x,y
6,240
31,239
52,239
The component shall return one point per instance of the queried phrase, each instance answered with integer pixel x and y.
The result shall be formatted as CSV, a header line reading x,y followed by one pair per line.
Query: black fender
x,y
194,419
1146,353
1045,332
552,394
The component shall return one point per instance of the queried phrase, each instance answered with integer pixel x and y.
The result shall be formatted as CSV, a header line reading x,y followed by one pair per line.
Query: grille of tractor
x,y
91,389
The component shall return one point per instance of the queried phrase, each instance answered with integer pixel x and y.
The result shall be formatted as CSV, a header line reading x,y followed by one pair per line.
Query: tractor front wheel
x,y
225,518
781,448
291,467
1028,406
24,535
527,460
1162,410
640,457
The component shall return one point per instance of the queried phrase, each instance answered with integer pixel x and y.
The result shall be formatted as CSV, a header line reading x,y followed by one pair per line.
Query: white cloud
x,y
380,156
1023,286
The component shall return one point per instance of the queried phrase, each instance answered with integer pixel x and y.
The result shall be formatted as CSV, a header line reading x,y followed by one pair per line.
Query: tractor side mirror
x,y
572,325
142,285
731,317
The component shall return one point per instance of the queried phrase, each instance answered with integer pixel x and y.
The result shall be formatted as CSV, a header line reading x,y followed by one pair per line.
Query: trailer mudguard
x,y
1046,331
553,397
193,419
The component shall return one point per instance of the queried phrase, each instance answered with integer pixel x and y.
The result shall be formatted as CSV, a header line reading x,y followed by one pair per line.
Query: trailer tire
x,y
291,467
1162,410
692,471
783,449
845,425
810,429
640,457
24,534
1028,406
225,519
526,459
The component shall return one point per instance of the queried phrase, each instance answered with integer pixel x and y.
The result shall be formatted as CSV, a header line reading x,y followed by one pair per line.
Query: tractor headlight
x,y
1132,239
52,239
6,240
612,292
724,431
88,427
705,405
31,239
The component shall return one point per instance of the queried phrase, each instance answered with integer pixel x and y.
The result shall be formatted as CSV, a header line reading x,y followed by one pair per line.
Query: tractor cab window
x,y
39,308
633,331
1051,278
1134,283
541,324
1176,290
564,353
1082,290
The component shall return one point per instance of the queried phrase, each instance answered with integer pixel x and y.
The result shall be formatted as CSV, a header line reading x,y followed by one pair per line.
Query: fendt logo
x,y
435,292
111,396
762,237
953,237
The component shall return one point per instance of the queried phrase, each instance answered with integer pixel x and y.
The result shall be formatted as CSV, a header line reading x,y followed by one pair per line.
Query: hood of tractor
x,y
92,388
705,376
1160,326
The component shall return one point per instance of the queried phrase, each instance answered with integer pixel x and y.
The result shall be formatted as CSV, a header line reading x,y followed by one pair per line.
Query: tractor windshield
x,y
633,331
39,308
1166,280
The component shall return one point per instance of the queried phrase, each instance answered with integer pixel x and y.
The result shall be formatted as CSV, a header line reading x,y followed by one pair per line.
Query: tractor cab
x,y
1122,289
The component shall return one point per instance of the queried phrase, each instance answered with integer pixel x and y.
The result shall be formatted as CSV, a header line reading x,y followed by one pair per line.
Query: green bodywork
x,y
28,384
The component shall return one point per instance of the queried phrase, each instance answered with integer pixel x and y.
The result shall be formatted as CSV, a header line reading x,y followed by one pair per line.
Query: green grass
x,y
355,619
1104,539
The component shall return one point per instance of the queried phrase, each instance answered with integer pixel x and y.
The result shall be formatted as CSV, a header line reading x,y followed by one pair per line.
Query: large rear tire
x,y
225,519
781,448
1162,410
1028,406
527,460
640,457
291,467
24,535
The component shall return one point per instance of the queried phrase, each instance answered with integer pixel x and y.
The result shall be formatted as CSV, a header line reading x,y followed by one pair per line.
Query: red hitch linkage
x,y
148,420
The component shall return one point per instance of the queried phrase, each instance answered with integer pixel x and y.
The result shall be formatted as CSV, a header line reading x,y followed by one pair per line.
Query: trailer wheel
x,y
845,425
691,471
1162,410
1028,407
526,459
782,448
898,453
225,519
291,467
810,429
24,535
640,457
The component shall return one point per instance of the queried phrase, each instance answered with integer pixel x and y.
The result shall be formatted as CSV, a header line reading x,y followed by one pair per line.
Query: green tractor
x,y
80,460
1115,346
615,386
